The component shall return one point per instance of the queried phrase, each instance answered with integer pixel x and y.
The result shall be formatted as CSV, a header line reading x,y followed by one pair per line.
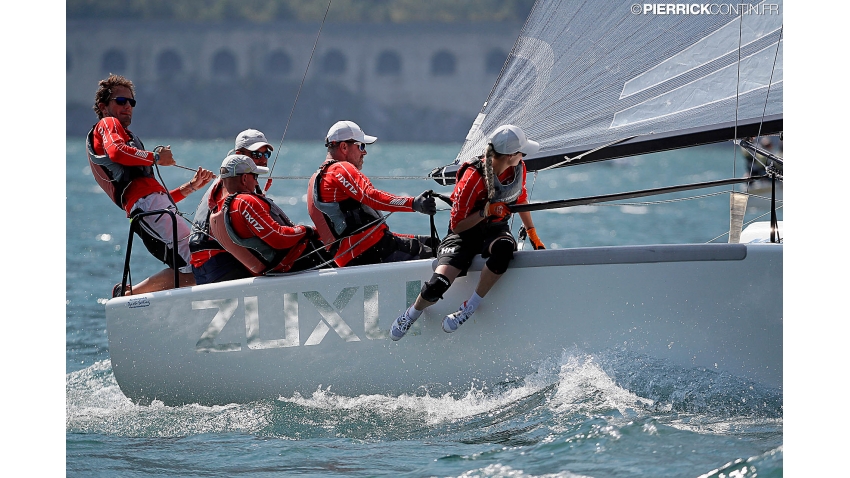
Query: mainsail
x,y
635,78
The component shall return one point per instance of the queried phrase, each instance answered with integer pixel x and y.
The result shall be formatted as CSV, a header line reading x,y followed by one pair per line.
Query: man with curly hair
x,y
124,169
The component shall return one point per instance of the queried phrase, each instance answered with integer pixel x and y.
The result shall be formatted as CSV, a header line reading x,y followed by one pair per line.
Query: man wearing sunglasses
x,y
255,230
343,205
124,170
210,261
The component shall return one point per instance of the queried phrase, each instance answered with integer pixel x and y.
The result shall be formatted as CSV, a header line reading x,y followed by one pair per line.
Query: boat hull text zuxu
x,y
715,306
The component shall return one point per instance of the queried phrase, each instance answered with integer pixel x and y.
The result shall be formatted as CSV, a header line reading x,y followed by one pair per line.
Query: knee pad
x,y
433,290
501,253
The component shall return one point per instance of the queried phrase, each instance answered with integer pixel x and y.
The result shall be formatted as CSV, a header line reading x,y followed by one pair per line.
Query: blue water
x,y
579,414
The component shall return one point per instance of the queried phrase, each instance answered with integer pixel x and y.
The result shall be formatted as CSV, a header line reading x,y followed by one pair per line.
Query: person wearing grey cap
x,y
210,261
255,230
479,225
124,169
253,143
343,205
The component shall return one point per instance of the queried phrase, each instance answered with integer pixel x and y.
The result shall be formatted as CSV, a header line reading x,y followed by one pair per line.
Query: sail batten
x,y
583,74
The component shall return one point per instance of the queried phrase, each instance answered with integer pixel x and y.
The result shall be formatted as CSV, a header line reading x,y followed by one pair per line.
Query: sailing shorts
x,y
220,267
458,250
156,232
394,248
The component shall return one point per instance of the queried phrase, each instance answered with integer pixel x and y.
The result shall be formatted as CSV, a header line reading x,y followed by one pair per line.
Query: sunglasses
x,y
258,155
121,101
360,145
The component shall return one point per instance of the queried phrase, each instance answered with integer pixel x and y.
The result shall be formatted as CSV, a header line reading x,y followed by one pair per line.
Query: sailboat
x,y
590,82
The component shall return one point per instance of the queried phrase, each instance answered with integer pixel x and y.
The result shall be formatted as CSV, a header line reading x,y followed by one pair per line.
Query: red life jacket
x,y
252,252
112,177
506,193
335,220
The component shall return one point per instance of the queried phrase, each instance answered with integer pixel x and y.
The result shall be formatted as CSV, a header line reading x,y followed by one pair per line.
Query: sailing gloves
x,y
536,243
496,211
425,203
310,233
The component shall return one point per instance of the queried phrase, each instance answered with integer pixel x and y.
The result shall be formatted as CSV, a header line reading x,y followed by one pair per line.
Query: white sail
x,y
584,74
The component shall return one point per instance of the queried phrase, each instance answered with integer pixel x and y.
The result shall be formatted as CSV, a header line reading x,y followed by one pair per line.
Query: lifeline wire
x,y
746,224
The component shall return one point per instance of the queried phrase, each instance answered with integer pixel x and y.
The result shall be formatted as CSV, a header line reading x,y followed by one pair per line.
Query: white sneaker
x,y
455,319
400,326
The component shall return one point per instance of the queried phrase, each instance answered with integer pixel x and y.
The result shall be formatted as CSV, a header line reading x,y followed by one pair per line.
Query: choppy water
x,y
578,415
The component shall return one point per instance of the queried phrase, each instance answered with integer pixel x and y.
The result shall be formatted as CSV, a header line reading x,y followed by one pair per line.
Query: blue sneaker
x,y
455,319
400,326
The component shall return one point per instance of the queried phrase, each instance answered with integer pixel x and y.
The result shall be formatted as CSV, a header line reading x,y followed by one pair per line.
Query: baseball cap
x,y
252,140
510,139
237,164
347,130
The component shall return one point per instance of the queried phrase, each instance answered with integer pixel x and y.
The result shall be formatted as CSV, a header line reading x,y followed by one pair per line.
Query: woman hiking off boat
x,y
479,224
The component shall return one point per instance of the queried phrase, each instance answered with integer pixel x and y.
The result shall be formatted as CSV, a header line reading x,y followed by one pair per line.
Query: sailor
x,y
210,261
255,231
479,225
343,205
124,170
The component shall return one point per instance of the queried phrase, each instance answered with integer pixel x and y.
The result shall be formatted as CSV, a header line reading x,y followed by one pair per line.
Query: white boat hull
x,y
716,306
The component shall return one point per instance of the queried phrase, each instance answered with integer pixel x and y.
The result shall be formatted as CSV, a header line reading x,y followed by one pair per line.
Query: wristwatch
x,y
155,157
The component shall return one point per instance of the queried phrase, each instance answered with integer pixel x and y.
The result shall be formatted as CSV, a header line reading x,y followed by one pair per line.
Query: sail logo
x,y
289,328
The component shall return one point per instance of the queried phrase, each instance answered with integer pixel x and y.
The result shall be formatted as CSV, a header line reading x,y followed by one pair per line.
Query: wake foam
x,y
564,391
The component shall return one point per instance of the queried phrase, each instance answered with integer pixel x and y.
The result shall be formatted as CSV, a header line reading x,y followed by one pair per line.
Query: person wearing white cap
x,y
481,201
253,143
124,169
343,205
255,230
210,261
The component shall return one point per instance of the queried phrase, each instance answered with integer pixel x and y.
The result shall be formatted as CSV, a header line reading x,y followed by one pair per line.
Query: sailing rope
x,y
179,213
298,93
370,177
766,97
568,159
373,224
